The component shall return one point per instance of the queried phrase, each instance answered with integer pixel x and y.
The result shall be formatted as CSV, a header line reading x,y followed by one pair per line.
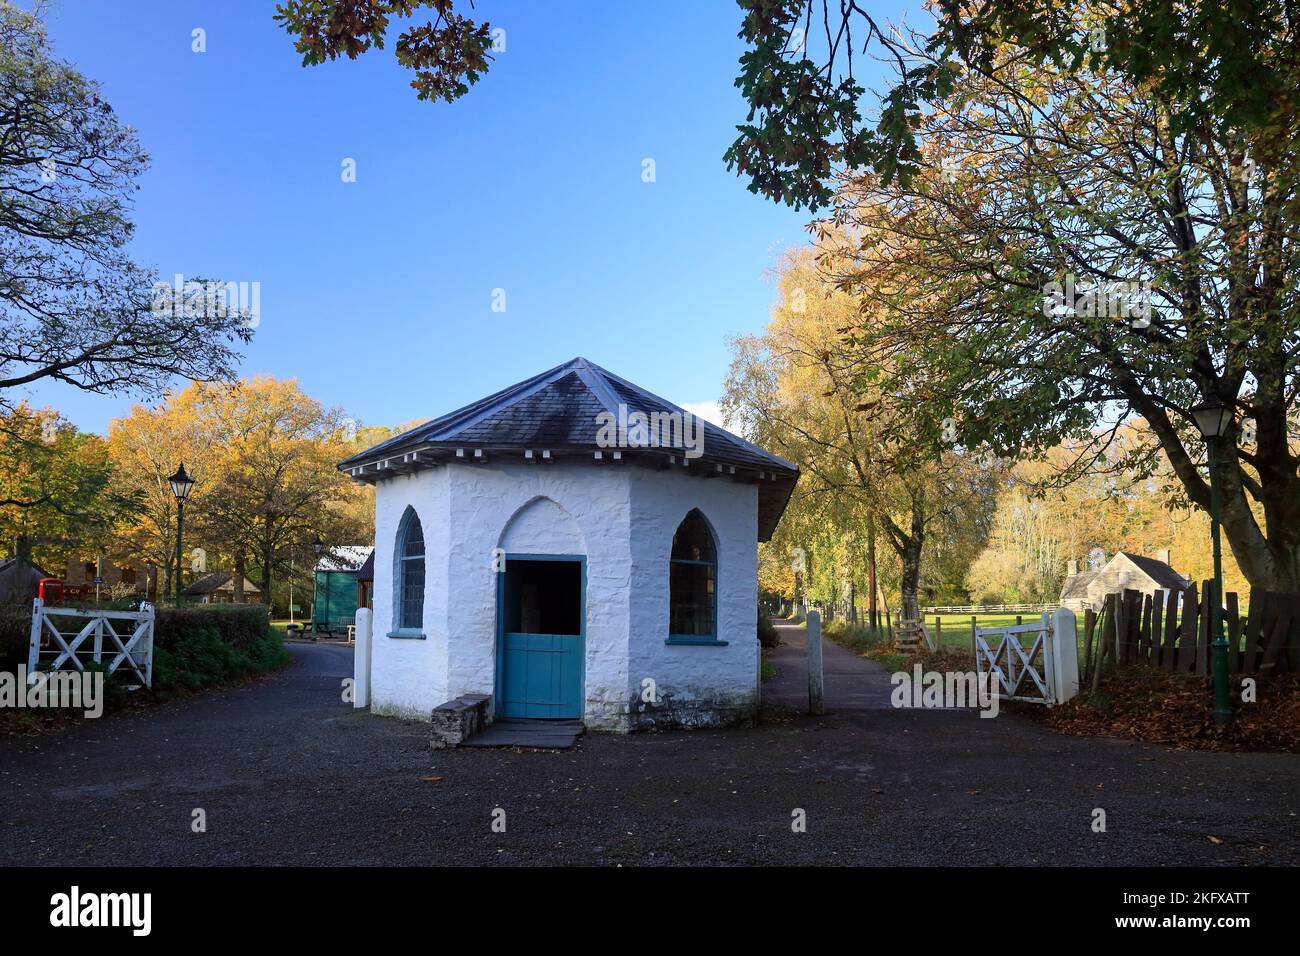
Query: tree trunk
x,y
911,608
238,583
265,582
873,614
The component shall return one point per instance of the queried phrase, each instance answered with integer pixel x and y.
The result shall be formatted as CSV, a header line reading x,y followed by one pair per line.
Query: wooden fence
x,y
989,609
1174,633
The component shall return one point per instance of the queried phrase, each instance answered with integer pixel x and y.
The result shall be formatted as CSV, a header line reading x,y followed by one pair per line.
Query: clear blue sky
x,y
376,294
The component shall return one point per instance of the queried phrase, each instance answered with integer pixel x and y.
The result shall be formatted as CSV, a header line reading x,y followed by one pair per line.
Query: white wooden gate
x,y
1037,662
54,648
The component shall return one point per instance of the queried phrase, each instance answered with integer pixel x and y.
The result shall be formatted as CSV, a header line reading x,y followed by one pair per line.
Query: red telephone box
x,y
50,590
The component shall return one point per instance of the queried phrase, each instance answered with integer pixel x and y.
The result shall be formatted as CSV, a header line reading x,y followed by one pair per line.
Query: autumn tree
x,y
273,486
447,54
145,447
1174,260
56,495
795,390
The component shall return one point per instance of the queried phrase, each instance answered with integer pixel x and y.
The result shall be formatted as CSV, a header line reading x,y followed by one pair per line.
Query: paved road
x,y
287,773
851,684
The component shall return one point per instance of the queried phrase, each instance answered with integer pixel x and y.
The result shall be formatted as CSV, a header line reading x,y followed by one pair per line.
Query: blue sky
x,y
377,294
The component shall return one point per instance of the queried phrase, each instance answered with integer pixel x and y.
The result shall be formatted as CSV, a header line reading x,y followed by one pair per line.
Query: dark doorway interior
x,y
543,597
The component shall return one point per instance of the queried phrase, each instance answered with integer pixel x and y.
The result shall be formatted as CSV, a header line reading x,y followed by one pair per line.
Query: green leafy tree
x,y
1225,68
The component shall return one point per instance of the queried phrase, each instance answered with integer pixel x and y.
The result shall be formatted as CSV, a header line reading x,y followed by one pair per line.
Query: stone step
x,y
458,719
537,734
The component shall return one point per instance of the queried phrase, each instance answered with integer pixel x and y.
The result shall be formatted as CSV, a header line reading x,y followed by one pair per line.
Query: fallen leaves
x,y
1156,706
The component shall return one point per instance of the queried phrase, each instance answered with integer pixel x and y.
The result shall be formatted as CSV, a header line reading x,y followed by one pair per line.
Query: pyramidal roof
x,y
559,414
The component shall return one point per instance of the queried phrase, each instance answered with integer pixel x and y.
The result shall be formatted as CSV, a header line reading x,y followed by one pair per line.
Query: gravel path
x,y
287,773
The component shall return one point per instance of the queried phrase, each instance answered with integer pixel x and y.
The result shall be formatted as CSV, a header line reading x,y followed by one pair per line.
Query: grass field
x,y
956,627
955,630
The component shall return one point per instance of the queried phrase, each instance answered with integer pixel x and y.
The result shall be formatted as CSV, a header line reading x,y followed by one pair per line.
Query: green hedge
x,y
193,647
239,625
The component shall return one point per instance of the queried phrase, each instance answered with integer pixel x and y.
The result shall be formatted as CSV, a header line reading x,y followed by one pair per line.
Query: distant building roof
x,y
367,571
217,581
344,557
18,581
1076,586
1159,572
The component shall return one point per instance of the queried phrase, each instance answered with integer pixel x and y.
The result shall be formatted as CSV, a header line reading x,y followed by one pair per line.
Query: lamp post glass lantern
x,y
1213,418
181,483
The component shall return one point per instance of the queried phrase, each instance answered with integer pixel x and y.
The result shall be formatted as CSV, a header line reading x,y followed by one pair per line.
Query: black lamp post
x,y
181,484
1213,418
317,545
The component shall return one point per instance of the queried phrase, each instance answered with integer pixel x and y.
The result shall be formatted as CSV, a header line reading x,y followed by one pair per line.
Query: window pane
x,y
414,539
693,542
412,592
410,574
690,599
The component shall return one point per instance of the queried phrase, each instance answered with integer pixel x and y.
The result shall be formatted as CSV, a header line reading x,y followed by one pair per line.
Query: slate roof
x,y
1076,586
1162,574
557,411
344,557
18,581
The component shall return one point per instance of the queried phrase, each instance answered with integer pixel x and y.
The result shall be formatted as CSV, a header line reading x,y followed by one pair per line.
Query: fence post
x,y
34,651
148,659
361,659
816,706
1065,655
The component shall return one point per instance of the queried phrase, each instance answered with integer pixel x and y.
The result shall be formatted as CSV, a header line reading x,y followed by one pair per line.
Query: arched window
x,y
410,573
692,582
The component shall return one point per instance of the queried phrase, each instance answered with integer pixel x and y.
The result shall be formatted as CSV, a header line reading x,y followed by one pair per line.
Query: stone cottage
x,y
570,547
1086,590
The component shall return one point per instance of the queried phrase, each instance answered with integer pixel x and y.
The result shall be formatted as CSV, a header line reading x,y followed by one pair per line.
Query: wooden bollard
x,y
816,705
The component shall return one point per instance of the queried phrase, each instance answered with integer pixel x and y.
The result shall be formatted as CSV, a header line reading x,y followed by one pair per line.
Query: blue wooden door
x,y
543,675
540,627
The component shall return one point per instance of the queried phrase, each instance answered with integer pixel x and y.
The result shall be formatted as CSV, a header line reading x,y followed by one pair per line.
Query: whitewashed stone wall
x,y
409,677
695,684
622,518
586,512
